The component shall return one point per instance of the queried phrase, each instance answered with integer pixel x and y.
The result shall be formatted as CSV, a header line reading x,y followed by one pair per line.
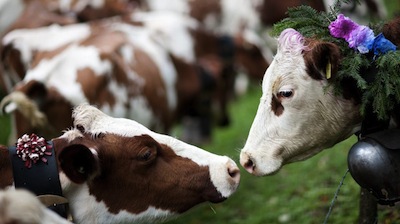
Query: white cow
x,y
298,115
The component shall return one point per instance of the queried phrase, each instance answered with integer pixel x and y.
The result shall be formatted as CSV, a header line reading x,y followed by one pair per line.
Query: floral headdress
x,y
360,49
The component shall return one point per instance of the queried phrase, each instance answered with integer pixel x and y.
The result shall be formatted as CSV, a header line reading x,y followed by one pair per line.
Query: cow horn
x,y
19,101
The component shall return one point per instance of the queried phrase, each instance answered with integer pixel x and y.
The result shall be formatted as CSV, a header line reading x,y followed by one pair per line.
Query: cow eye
x,y
147,154
285,93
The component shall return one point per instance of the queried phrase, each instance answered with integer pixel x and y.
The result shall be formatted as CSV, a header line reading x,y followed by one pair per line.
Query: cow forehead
x,y
283,70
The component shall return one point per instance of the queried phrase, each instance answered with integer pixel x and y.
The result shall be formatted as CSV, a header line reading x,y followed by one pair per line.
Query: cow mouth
x,y
217,199
212,195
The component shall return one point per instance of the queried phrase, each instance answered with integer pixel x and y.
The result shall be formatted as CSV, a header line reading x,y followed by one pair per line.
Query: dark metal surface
x,y
374,163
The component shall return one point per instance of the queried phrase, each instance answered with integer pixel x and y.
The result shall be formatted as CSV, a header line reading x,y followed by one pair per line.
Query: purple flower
x,y
382,45
361,39
342,27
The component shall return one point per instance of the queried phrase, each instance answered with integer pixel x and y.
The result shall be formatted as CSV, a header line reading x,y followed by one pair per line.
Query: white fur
x,y
313,118
45,38
22,207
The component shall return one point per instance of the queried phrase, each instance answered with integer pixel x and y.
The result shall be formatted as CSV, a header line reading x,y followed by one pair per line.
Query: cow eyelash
x,y
285,93
98,135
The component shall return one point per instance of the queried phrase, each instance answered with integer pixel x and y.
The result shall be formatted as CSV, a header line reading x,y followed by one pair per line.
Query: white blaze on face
x,y
297,117
95,121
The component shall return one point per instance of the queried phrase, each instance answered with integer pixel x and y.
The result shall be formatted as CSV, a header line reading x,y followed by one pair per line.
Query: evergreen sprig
x,y
383,91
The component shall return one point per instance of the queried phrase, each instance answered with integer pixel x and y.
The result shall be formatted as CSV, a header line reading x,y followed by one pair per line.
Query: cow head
x,y
38,109
118,171
299,114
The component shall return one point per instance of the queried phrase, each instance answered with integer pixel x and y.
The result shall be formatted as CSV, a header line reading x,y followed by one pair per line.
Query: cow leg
x,y
368,212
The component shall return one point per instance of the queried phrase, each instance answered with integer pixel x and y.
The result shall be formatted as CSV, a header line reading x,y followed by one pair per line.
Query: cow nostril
x,y
234,173
249,165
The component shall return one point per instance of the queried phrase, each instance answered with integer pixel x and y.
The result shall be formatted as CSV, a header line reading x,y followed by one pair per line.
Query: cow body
x,y
117,64
114,170
299,114
117,69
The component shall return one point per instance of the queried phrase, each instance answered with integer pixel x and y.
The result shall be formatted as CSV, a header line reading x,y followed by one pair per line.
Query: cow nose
x,y
234,173
247,163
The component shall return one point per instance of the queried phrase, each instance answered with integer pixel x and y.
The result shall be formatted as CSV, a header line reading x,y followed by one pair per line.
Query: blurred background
x,y
300,193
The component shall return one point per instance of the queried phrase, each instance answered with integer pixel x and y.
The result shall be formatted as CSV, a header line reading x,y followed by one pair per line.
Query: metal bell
x,y
374,163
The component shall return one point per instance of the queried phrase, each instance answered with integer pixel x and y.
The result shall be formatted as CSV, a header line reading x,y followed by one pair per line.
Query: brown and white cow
x,y
299,115
108,63
118,63
115,170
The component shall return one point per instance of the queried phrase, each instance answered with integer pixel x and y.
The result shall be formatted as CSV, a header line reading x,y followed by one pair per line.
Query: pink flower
x,y
342,27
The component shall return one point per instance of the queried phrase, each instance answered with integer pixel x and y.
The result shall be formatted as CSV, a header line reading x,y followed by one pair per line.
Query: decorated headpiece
x,y
361,50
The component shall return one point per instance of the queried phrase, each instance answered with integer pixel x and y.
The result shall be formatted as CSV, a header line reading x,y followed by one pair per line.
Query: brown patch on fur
x,y
276,106
38,56
273,11
105,40
391,31
38,14
95,87
11,60
154,89
200,9
6,176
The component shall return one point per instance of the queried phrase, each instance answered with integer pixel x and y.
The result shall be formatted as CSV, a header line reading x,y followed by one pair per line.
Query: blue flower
x,y
362,39
382,45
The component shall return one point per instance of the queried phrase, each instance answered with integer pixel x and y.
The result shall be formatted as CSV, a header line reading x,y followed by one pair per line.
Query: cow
x,y
152,37
300,113
115,170
21,206
23,14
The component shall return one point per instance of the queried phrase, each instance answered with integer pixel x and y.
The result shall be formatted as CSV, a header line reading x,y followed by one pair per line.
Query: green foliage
x,y
383,93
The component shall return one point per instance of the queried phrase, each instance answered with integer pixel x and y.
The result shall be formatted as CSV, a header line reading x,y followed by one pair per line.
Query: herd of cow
x,y
113,74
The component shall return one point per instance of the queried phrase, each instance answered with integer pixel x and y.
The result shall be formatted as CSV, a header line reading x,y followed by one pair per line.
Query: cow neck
x,y
42,179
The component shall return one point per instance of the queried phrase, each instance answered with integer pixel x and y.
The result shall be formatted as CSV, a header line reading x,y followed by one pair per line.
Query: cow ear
x,y
78,163
322,61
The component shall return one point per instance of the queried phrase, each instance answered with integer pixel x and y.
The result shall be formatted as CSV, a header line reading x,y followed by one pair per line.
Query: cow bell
x,y
374,163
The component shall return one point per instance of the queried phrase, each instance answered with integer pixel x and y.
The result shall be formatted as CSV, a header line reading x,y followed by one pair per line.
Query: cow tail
x,y
18,101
